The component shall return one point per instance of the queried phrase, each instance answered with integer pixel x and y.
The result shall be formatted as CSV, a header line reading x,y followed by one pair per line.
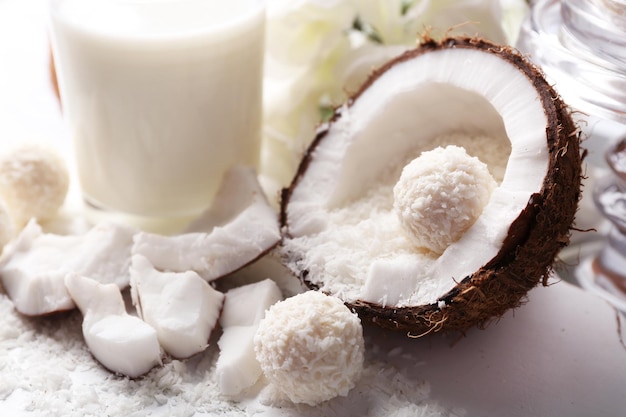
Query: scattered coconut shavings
x,y
370,228
359,233
48,371
46,366
493,152
382,391
363,242
123,343
181,306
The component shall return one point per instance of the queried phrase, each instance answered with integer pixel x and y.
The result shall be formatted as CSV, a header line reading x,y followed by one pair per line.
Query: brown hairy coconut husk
x,y
539,230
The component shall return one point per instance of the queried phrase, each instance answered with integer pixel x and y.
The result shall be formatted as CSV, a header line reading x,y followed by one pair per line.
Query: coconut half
x,y
342,235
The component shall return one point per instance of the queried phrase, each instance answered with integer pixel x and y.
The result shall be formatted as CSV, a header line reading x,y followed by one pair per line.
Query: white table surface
x,y
558,355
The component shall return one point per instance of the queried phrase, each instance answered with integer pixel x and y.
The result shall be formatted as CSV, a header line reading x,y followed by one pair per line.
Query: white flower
x,y
388,19
304,32
291,114
513,14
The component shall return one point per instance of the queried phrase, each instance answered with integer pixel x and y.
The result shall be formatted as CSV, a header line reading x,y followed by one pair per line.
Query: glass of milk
x,y
161,98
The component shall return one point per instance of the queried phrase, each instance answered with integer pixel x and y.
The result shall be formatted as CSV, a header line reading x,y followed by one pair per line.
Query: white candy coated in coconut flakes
x,y
440,195
310,348
34,181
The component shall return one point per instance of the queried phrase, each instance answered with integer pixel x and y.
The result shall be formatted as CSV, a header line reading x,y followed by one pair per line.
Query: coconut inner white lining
x,y
340,214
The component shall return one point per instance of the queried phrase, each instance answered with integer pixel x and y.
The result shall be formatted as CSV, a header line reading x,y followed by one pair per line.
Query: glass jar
x,y
581,47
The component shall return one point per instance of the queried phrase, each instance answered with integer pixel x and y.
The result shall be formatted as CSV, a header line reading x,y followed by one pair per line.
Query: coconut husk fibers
x,y
534,238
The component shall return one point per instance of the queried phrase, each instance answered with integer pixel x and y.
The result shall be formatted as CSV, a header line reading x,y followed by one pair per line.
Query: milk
x,y
161,97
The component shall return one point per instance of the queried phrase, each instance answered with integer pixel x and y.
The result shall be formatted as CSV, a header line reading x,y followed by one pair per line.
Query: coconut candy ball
x,y
440,194
310,347
34,181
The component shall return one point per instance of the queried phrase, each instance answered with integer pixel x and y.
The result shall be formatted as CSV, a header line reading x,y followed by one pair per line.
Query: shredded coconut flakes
x,y
341,255
48,371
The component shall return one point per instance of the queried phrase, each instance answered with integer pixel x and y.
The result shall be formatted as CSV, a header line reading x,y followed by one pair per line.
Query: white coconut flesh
x,y
236,368
122,343
240,227
34,265
181,306
341,226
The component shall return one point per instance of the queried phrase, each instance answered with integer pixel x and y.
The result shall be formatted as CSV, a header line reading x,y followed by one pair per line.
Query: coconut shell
x,y
534,239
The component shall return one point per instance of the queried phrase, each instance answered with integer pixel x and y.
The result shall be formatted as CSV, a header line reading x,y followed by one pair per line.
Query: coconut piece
x,y
103,254
340,228
246,305
122,343
239,228
181,306
237,368
34,181
382,290
30,274
34,265
310,347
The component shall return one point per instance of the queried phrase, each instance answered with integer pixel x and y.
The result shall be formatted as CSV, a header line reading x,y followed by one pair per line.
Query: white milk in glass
x,y
161,97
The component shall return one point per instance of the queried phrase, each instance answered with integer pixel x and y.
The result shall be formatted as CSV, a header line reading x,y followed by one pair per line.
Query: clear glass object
x,y
604,270
581,47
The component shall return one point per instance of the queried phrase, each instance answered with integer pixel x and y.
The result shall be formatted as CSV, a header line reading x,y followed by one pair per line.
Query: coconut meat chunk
x,y
122,343
181,306
34,265
30,272
240,227
461,97
237,368
407,276
246,305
